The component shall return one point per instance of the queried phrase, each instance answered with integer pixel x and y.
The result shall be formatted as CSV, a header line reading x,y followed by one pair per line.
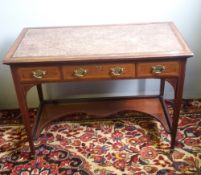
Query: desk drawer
x,y
158,69
45,73
96,71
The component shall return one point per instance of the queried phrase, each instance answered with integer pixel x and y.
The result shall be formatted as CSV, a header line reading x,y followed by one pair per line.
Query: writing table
x,y
101,52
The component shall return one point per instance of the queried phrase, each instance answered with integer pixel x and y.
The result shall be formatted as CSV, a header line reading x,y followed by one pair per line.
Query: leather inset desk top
x,y
104,42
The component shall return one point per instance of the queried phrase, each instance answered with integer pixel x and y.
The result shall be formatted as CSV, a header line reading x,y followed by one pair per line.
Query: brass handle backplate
x,y
38,74
80,72
116,71
158,69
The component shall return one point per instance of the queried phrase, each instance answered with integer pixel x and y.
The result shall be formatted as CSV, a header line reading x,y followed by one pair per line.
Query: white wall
x,y
16,14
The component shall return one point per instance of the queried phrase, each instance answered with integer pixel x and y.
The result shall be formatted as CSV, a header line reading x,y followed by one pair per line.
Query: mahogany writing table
x,y
102,52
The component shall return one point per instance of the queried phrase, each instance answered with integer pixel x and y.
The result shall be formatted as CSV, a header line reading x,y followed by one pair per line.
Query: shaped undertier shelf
x,y
101,108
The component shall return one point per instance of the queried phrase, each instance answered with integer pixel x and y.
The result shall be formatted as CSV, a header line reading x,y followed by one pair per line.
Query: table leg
x,y
178,102
162,87
21,96
40,92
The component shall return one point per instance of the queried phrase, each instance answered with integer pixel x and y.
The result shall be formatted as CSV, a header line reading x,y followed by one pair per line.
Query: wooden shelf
x,y
52,110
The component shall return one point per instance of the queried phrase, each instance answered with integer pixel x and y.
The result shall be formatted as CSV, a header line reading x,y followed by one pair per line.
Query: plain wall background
x,y
16,14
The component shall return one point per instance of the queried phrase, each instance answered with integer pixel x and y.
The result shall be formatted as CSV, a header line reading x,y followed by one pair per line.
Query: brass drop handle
x,y
80,72
116,71
38,74
158,69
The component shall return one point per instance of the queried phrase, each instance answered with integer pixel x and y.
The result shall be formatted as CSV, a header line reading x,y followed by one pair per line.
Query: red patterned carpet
x,y
124,145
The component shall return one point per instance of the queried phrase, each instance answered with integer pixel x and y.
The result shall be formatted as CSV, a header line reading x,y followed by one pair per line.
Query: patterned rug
x,y
125,144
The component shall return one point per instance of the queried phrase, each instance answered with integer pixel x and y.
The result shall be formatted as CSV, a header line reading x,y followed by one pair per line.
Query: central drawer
x,y
98,71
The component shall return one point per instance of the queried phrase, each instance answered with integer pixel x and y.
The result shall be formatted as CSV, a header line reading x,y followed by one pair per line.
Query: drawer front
x,y
100,71
45,73
157,69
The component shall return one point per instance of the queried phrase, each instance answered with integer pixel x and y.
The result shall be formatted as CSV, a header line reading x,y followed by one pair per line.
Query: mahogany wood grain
x,y
52,73
98,71
177,103
21,96
103,108
135,47
144,69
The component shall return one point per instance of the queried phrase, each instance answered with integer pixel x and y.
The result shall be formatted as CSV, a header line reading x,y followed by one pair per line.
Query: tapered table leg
x,y
178,102
21,96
